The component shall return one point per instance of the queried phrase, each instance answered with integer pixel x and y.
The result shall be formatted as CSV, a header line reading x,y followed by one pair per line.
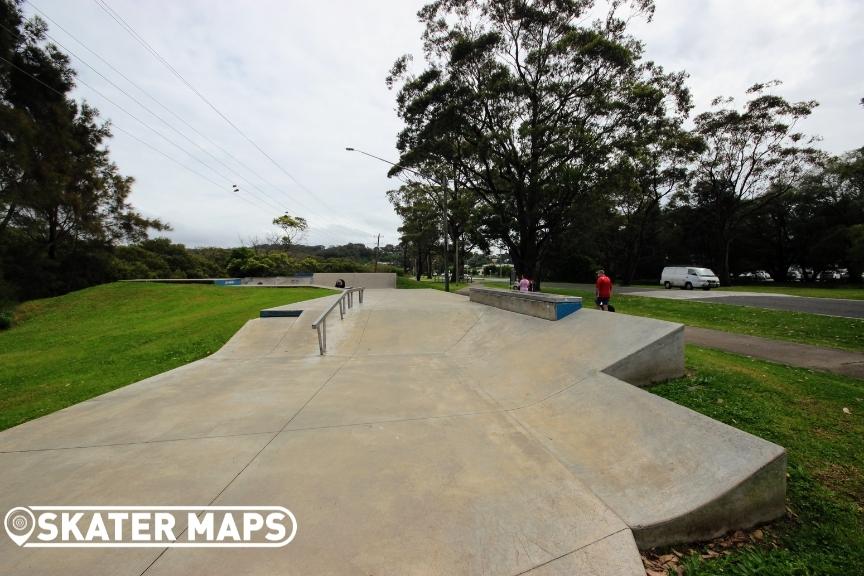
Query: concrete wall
x,y
277,281
356,279
660,360
546,306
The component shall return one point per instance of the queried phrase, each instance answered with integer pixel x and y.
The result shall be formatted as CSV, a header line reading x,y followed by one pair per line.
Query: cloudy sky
x,y
303,80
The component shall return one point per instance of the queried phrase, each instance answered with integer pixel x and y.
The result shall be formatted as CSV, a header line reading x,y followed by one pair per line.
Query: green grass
x,y
845,292
802,411
64,350
845,333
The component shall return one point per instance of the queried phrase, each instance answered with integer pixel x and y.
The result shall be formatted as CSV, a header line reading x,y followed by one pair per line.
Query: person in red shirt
x,y
603,290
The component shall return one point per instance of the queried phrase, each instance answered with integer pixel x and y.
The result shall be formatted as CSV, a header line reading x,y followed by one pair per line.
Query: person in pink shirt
x,y
524,284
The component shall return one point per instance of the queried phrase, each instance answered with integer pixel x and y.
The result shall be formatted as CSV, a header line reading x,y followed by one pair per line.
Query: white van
x,y
689,277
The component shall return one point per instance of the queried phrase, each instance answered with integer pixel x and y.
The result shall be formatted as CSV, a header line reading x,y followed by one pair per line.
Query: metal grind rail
x,y
344,302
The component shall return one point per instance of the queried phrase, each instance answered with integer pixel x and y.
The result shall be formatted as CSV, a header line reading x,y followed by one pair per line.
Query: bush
x,y
5,320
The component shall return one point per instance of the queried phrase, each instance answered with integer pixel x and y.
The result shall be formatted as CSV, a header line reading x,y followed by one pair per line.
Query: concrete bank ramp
x,y
437,436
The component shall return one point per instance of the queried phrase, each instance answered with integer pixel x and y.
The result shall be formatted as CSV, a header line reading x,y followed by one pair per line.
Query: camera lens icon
x,y
19,523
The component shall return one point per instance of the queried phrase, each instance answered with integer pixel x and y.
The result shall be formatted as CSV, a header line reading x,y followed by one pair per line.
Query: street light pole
x,y
443,184
446,234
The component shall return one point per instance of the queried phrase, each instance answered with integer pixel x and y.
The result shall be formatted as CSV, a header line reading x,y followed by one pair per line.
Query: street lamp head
x,y
349,149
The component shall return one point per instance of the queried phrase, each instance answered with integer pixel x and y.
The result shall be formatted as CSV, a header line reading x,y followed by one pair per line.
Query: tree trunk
x,y
7,218
53,223
725,277
456,258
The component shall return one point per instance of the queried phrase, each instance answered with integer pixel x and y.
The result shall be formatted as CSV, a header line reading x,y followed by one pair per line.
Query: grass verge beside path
x,y
827,331
802,411
67,349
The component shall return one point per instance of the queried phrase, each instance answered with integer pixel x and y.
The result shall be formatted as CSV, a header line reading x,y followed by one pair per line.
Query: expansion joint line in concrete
x,y
570,553
142,442
275,435
512,414
254,457
396,420
553,394
497,410
468,331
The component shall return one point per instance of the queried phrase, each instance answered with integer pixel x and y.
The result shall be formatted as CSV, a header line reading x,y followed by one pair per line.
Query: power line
x,y
134,99
120,21
261,203
131,31
276,201
275,205
12,64
153,98
264,208
114,15
268,203
148,145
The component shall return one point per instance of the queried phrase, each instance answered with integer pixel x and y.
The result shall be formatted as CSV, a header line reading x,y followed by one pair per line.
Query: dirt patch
x,y
659,562
844,479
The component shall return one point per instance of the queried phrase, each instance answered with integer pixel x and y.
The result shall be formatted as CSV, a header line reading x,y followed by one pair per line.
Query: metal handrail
x,y
345,301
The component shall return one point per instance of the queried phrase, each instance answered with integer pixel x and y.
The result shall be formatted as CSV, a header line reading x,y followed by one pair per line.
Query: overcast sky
x,y
303,80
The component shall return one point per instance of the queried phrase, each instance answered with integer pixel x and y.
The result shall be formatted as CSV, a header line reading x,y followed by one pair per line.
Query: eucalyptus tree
x,y
650,165
752,157
421,229
526,101
63,202
292,227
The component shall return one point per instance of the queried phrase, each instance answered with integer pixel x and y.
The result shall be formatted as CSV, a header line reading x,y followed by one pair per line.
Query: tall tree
x,y
418,206
751,157
293,228
62,200
651,164
527,100
828,208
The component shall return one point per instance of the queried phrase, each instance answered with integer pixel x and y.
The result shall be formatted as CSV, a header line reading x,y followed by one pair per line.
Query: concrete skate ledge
x,y
276,313
757,499
546,306
662,359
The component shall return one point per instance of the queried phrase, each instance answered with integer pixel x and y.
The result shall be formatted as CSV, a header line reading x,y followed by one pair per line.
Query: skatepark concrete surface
x,y
437,436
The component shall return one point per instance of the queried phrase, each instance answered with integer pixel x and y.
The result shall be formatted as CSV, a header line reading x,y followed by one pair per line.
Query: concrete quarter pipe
x,y
437,436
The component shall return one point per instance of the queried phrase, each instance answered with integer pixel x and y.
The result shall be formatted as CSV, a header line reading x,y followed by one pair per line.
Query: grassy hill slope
x,y
67,349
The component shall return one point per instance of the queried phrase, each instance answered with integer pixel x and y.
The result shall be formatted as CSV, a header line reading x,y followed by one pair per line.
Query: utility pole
x,y
377,247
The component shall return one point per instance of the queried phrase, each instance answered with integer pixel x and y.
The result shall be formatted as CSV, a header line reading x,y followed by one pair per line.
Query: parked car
x,y
689,277
794,274
831,276
757,276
